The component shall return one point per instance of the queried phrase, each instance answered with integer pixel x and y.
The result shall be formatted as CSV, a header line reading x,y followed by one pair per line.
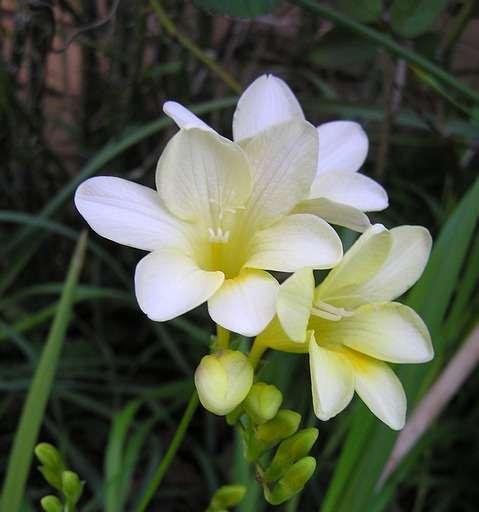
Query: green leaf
x,y
241,8
366,11
34,408
410,18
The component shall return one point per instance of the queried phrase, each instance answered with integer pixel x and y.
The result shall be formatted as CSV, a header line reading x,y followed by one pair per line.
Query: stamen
x,y
218,236
328,312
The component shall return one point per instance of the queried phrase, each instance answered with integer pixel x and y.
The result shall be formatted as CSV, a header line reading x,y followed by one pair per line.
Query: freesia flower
x,y
350,327
222,216
338,194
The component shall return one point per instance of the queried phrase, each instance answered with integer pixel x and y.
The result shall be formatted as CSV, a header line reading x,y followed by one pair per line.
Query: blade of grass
x,y
34,408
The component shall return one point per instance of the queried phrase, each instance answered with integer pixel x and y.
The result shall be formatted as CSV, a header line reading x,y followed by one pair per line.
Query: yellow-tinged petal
x,y
380,389
294,303
352,189
295,241
275,337
335,213
283,163
389,331
266,102
169,283
342,286
183,117
407,258
332,381
202,177
246,303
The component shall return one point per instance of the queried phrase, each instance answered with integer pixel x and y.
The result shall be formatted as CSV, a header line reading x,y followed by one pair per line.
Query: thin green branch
x,y
388,42
170,453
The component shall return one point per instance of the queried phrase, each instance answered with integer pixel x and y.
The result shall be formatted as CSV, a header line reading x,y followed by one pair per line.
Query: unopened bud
x,y
53,477
51,504
49,456
263,402
223,380
292,482
72,486
283,425
289,451
227,496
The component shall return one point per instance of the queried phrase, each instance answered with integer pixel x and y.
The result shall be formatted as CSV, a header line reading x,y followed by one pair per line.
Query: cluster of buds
x,y
66,482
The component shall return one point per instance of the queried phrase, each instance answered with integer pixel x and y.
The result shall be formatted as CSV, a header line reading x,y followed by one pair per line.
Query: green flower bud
x,y
292,482
227,496
49,456
263,402
289,451
223,380
53,477
72,486
283,425
51,504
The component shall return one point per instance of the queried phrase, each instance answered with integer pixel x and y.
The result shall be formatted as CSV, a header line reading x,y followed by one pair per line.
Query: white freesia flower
x,y
338,194
349,326
221,217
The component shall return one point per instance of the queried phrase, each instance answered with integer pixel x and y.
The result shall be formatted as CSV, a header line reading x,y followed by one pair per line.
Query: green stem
x,y
186,42
170,453
388,42
222,338
256,352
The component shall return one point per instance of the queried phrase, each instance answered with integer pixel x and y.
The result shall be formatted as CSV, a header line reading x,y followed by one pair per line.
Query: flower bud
x,y
289,451
263,402
72,486
51,504
223,380
292,482
49,456
227,496
283,425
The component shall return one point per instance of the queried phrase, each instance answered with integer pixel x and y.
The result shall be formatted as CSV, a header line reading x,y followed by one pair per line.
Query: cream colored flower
x,y
350,327
222,216
338,194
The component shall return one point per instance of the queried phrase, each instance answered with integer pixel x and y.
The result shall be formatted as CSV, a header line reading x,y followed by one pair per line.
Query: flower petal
x,y
380,389
390,332
407,258
332,382
343,146
283,161
129,214
342,286
169,283
201,176
294,242
246,303
183,117
351,189
335,213
274,337
294,303
266,102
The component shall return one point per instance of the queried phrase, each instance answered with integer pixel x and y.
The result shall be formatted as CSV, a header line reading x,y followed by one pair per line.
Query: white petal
x,y
266,102
129,214
343,146
351,189
390,332
168,284
407,258
332,382
342,286
335,213
294,303
380,389
183,117
202,176
246,303
283,160
294,242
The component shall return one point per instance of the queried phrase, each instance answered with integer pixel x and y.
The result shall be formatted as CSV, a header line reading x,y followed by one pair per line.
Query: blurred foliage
x,y
81,89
